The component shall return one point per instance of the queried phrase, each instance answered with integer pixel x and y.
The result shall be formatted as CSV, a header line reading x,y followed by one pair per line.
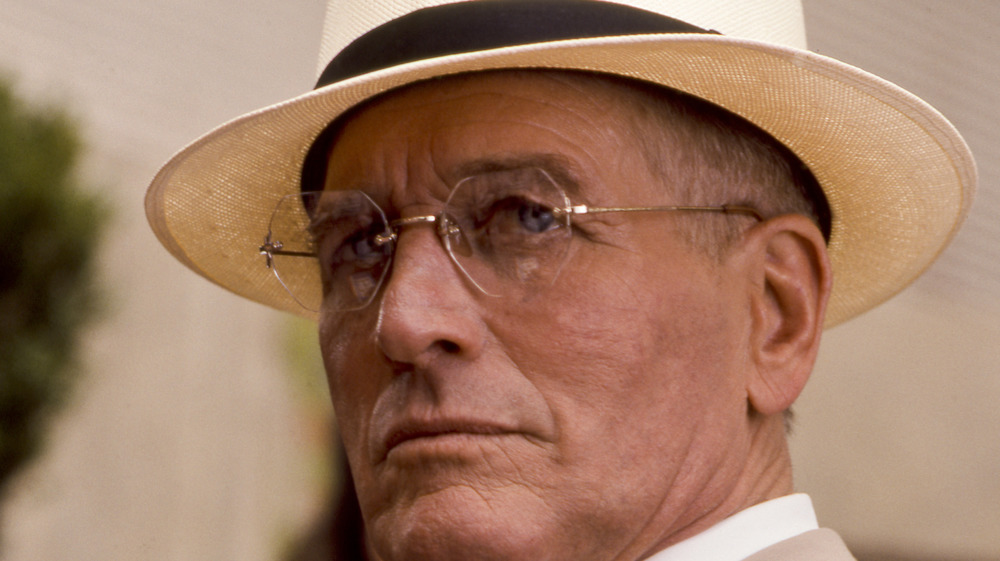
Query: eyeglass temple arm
x,y
272,248
725,209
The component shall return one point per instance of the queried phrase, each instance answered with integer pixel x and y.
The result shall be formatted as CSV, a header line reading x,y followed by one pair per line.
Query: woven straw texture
x,y
898,177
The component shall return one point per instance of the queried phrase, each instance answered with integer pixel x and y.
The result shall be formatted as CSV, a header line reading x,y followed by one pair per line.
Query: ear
x,y
788,303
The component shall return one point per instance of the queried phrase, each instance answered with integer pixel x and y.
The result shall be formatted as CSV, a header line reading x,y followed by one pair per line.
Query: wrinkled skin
x,y
605,417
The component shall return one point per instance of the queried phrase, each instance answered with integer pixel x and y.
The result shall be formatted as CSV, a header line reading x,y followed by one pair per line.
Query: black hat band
x,y
467,27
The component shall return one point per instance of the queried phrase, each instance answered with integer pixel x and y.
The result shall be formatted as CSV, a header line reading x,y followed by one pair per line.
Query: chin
x,y
465,524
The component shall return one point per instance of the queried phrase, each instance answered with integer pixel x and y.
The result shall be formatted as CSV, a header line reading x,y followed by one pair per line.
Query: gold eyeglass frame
x,y
272,247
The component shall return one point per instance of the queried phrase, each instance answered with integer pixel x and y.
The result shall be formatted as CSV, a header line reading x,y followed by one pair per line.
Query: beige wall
x,y
187,442
899,433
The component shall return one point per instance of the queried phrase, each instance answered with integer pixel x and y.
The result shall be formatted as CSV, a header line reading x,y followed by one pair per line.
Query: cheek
x,y
349,357
607,349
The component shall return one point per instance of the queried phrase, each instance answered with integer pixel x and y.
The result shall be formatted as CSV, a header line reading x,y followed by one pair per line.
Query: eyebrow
x,y
556,165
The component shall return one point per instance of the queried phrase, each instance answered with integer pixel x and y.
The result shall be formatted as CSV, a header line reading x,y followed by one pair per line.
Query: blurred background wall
x,y
194,434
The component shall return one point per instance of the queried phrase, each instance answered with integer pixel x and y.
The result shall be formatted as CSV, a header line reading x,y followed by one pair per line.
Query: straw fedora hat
x,y
897,175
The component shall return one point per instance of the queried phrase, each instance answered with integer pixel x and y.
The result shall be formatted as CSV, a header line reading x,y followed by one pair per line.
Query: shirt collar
x,y
747,532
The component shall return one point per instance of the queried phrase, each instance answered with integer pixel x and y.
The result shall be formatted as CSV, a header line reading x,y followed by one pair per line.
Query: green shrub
x,y
49,227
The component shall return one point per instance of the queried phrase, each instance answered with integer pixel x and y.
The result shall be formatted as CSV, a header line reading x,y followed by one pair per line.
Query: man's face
x,y
605,415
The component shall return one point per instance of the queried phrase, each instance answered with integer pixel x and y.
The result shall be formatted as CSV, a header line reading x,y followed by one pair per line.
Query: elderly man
x,y
571,261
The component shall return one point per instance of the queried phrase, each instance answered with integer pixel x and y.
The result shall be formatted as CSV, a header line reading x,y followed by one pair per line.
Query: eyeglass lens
x,y
505,230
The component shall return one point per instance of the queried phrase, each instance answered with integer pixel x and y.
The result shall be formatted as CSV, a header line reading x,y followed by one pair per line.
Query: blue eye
x,y
517,215
361,249
346,245
535,217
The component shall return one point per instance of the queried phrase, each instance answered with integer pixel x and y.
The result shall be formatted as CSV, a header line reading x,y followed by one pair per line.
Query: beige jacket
x,y
817,545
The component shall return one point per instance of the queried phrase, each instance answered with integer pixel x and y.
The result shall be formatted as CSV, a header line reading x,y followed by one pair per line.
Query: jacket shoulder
x,y
816,545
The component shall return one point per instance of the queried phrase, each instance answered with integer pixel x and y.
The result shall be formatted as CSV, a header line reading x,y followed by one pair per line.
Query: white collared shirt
x,y
747,532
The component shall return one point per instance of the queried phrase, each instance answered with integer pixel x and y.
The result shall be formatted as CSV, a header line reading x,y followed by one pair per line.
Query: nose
x,y
427,310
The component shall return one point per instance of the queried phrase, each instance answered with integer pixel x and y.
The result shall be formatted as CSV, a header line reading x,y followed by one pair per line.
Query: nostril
x,y
424,312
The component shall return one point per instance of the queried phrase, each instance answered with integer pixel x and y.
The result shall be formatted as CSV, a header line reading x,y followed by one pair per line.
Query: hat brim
x,y
898,177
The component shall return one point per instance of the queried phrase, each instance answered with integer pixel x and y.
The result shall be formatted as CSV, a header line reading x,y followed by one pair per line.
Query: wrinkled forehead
x,y
587,106
447,129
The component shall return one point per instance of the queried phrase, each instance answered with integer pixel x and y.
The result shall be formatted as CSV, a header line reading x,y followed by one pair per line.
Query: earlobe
x,y
788,304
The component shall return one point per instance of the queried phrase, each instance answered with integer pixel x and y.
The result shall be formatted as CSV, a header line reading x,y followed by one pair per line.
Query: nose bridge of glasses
x,y
443,229
396,227
447,232
412,221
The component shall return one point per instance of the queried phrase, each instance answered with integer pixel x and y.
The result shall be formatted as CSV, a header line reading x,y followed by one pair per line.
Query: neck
x,y
766,474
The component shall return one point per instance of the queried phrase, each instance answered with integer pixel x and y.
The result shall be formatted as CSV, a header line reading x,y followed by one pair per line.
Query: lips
x,y
413,431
